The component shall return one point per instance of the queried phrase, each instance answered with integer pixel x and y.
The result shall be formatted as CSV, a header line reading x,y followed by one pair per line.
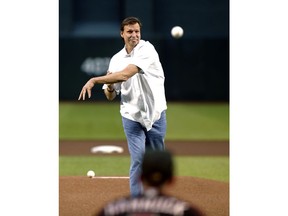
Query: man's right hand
x,y
86,88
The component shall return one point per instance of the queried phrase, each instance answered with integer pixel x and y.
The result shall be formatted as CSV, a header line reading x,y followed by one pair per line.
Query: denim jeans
x,y
139,139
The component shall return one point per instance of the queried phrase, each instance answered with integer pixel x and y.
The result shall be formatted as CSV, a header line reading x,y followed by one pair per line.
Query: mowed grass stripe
x,y
102,121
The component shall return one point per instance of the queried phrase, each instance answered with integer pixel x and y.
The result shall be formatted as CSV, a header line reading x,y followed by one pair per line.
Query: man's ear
x,y
121,34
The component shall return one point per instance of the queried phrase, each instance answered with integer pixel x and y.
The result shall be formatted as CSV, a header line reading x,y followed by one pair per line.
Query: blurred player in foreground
x,y
157,173
136,73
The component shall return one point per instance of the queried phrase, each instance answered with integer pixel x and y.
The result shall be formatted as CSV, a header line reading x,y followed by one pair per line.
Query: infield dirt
x,y
85,196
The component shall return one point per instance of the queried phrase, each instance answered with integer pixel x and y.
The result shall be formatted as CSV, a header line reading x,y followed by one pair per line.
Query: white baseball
x,y
177,32
90,173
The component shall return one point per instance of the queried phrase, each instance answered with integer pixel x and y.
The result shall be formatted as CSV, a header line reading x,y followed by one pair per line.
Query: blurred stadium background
x,y
196,66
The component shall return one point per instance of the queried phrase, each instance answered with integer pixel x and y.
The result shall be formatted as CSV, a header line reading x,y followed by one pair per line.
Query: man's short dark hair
x,y
157,167
130,21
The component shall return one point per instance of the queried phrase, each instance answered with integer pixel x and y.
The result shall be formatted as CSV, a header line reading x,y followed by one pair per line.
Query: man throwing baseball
x,y
135,72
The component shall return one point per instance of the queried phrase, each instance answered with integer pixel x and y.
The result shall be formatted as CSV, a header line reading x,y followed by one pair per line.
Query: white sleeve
x,y
144,57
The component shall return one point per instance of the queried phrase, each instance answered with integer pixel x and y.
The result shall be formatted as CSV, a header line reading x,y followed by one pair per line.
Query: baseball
x,y
177,32
90,174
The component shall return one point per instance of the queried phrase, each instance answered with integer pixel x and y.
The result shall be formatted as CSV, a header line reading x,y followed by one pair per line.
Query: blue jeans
x,y
139,139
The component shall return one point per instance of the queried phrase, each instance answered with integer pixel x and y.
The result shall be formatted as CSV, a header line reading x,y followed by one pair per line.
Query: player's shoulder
x,y
119,200
119,54
145,44
188,208
146,47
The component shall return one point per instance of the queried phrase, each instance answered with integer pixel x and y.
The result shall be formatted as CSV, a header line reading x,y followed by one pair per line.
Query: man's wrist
x,y
94,80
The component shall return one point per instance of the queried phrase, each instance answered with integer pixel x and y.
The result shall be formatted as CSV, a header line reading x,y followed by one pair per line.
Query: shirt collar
x,y
140,44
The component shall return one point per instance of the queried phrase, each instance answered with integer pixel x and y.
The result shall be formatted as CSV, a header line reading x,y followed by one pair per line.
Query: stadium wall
x,y
196,66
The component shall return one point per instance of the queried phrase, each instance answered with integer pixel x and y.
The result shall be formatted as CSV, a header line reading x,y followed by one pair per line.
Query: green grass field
x,y
215,168
185,121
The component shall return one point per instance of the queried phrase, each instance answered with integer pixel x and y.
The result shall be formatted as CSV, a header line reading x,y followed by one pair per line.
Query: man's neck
x,y
130,48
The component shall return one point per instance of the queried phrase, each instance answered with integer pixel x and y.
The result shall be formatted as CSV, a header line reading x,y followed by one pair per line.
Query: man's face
x,y
131,35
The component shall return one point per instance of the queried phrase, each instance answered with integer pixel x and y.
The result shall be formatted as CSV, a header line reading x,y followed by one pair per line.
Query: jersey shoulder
x,y
119,54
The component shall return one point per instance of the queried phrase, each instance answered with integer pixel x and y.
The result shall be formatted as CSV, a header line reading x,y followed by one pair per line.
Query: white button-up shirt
x,y
143,95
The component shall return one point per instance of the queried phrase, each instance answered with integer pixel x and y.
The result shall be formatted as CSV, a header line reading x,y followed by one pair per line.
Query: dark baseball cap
x,y
157,167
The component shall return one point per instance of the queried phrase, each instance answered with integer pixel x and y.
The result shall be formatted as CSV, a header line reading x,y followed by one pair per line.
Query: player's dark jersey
x,y
149,206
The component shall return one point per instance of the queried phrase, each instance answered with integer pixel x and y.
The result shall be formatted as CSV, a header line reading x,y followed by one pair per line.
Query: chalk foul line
x,y
110,177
